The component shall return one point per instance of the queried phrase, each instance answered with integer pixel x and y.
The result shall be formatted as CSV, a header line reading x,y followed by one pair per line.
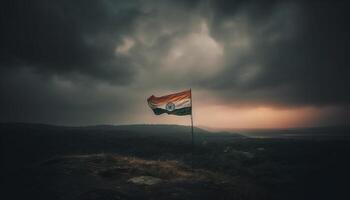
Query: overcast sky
x,y
250,64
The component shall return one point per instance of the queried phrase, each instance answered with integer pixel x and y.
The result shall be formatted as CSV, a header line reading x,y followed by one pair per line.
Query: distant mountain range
x,y
180,131
329,132
25,142
137,130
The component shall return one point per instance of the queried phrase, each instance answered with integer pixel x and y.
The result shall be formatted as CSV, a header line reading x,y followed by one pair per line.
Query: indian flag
x,y
172,104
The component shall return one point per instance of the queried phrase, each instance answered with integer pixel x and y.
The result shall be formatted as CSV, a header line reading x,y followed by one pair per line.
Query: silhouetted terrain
x,y
317,133
100,162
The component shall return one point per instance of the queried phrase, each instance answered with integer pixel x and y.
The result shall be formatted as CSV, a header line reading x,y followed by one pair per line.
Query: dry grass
x,y
113,165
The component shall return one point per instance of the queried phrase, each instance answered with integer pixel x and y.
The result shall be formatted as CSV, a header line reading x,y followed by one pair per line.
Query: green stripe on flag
x,y
181,111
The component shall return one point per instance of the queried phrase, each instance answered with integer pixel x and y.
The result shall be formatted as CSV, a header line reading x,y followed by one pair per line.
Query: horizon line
x,y
199,126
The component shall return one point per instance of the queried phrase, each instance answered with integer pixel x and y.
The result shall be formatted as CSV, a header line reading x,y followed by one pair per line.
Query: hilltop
x,y
108,162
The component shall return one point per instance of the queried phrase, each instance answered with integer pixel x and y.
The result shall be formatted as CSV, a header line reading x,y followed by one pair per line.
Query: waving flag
x,y
173,104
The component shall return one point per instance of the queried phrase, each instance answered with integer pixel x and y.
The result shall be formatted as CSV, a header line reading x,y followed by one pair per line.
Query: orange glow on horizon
x,y
235,117
225,117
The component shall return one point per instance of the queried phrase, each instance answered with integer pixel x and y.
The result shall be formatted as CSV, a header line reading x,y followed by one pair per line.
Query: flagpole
x,y
192,135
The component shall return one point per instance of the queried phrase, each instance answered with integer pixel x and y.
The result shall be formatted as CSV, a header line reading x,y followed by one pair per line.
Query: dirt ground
x,y
101,176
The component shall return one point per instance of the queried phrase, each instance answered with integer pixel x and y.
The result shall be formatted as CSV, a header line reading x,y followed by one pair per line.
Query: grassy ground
x,y
56,163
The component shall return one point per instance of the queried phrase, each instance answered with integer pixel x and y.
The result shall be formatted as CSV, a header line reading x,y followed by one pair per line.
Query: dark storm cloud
x,y
59,60
305,64
27,96
67,36
91,61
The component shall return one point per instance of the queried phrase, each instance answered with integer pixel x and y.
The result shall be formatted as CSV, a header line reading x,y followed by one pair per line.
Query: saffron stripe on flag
x,y
173,104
